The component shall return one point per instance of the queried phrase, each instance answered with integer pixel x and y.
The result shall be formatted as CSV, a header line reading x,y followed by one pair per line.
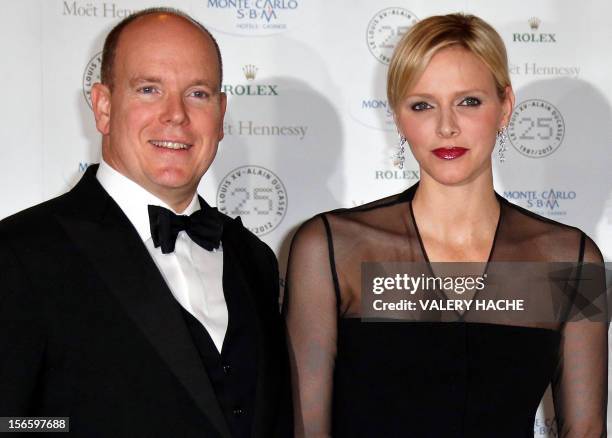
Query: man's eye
x,y
146,90
420,106
200,94
470,101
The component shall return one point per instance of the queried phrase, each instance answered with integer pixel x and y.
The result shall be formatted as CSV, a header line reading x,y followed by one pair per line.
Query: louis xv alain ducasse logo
x,y
91,75
257,195
536,128
385,30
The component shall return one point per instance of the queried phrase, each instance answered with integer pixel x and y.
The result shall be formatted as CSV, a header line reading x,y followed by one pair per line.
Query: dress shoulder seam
x,y
332,260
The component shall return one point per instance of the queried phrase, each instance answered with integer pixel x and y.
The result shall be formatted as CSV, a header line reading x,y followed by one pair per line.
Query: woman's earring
x,y
399,157
502,136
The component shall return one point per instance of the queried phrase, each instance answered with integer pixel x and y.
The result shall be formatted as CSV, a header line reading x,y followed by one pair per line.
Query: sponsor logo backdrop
x,y
308,126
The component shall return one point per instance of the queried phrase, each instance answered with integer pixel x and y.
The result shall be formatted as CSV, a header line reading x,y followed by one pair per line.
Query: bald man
x,y
129,304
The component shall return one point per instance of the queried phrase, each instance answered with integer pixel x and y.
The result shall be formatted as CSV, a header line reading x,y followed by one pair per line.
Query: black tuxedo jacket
x,y
89,329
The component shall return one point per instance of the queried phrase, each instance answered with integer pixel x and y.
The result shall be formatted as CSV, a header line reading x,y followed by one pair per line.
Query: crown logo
x,y
534,23
250,71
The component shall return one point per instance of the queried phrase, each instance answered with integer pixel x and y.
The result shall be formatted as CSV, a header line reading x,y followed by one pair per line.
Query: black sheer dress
x,y
467,378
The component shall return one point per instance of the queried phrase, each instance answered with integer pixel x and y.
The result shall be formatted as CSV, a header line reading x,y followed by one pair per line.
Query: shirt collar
x,y
134,199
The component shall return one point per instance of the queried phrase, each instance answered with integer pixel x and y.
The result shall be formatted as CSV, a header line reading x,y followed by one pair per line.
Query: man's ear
x,y
222,108
101,104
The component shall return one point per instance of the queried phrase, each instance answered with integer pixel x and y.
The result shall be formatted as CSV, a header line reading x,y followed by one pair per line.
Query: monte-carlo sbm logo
x,y
547,202
545,427
252,17
373,112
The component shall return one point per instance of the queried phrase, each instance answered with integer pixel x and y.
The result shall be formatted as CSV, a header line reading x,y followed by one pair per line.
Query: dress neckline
x,y
422,245
461,315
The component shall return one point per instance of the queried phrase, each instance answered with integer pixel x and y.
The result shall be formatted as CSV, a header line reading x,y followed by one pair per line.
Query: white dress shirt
x,y
193,274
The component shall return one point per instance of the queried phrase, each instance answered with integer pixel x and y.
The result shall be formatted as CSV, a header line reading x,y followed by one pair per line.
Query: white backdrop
x,y
308,127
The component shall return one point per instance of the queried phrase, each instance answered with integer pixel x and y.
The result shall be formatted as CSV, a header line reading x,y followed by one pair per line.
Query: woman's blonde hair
x,y
428,36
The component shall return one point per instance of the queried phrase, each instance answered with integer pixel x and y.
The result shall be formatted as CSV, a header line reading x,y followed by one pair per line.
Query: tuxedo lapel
x,y
106,237
244,282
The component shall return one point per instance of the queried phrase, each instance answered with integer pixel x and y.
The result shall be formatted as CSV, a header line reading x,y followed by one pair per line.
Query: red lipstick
x,y
449,153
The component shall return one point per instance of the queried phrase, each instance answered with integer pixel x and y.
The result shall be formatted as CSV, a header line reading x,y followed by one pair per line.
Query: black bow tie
x,y
204,227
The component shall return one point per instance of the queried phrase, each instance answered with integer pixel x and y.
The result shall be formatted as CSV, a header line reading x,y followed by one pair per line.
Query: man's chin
x,y
173,180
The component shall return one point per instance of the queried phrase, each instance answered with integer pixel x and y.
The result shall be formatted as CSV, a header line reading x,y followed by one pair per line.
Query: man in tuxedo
x,y
129,304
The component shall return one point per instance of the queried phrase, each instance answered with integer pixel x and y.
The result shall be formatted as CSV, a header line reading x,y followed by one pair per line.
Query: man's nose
x,y
174,112
447,123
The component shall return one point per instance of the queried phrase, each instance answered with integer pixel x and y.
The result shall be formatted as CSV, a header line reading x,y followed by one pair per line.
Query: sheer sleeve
x,y
310,311
580,386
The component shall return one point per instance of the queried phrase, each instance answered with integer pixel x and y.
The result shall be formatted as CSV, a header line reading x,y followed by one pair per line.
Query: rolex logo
x,y
251,89
250,71
535,36
534,23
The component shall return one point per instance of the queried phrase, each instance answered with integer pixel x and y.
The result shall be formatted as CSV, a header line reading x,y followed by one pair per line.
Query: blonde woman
x,y
450,90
